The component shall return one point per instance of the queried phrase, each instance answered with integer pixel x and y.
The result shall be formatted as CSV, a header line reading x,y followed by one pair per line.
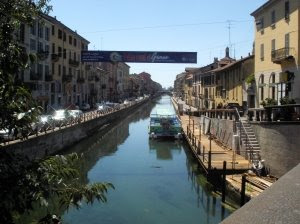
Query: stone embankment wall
x,y
280,145
52,142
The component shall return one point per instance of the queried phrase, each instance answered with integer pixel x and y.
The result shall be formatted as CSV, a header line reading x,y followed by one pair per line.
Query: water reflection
x,y
164,149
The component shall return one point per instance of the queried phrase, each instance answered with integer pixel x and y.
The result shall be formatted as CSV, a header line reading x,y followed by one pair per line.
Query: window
x,y
59,51
53,48
53,30
47,70
70,55
53,69
65,53
70,71
59,70
75,42
65,37
273,18
59,34
40,46
47,49
70,39
40,70
261,86
287,40
262,53
40,30
272,86
32,44
273,45
64,70
33,28
287,10
47,33
74,56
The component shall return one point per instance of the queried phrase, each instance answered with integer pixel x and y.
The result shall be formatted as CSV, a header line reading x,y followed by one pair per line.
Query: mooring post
x,y
243,189
200,132
198,148
209,160
203,153
193,126
224,182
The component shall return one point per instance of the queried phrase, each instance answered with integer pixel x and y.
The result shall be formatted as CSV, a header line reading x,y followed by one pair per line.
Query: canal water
x,y
156,181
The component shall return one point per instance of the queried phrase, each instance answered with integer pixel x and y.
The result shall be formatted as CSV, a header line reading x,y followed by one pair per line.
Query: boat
x,y
164,124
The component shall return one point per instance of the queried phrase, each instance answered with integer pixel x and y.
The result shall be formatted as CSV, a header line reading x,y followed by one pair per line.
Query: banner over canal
x,y
139,57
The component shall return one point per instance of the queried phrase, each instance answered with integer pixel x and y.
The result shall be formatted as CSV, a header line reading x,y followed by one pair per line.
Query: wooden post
x,y
203,153
209,160
224,182
193,126
243,189
200,132
198,148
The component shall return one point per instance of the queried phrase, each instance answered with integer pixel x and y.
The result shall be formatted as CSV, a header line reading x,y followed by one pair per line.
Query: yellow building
x,y
277,45
70,76
231,86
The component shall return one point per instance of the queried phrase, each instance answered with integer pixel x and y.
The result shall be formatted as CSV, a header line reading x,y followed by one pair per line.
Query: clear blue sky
x,y
162,25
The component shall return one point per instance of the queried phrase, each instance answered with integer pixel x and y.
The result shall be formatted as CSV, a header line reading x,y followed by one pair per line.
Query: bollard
x,y
243,189
224,182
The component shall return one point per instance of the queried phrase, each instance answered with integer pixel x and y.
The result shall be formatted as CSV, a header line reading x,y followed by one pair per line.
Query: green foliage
x,y
15,98
286,100
250,79
28,183
269,102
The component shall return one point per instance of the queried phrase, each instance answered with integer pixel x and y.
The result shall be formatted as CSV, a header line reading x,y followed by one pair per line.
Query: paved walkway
x,y
235,163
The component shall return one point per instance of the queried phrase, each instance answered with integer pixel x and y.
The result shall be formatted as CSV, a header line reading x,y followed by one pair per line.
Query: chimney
x,y
227,52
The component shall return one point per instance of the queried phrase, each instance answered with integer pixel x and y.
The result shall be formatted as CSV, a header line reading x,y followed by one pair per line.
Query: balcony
x,y
88,67
35,76
80,80
282,54
48,78
94,92
42,55
67,78
73,63
54,57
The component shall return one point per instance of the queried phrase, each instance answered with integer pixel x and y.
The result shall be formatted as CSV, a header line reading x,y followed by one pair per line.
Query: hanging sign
x,y
139,57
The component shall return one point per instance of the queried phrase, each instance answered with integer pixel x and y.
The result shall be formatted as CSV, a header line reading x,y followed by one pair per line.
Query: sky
x,y
163,25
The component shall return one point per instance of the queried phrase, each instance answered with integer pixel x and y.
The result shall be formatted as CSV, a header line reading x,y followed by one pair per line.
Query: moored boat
x,y
164,124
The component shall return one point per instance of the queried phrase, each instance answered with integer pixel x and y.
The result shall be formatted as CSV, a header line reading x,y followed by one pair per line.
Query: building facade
x,y
277,45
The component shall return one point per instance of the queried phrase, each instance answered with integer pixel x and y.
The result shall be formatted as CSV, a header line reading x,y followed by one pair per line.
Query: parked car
x,y
60,116
85,106
74,114
5,135
43,123
237,106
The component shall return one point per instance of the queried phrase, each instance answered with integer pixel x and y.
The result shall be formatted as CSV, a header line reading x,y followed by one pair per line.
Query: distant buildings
x,y
271,73
58,78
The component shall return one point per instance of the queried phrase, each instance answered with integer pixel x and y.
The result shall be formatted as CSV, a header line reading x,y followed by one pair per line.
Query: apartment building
x,y
277,45
70,76
36,40
230,83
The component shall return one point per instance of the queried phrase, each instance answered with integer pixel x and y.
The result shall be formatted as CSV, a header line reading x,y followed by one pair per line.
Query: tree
x,y
23,182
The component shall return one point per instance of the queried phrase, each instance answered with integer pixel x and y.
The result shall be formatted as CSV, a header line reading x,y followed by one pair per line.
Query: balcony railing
x,y
42,55
67,78
48,78
73,63
35,76
80,80
54,57
282,54
88,67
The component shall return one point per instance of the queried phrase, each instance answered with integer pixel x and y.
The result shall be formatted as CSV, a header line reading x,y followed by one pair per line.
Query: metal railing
x,y
247,143
48,127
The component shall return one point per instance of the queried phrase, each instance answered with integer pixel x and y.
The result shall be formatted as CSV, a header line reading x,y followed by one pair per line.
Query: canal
x,y
155,181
